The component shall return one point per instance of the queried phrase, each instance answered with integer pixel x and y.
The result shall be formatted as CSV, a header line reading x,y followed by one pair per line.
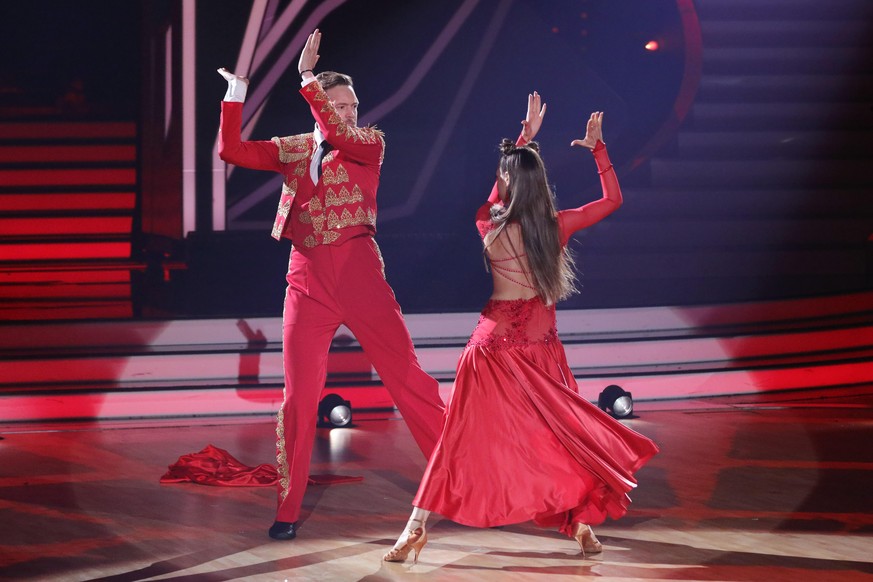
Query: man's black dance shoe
x,y
282,530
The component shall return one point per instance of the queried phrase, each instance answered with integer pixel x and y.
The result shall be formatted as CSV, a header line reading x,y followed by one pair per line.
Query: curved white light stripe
x,y
290,54
266,190
168,79
243,64
269,19
466,87
250,39
258,41
424,65
256,102
437,48
189,129
274,35
261,93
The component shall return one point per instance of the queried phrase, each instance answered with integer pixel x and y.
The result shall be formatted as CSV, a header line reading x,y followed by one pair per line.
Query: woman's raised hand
x,y
536,110
593,131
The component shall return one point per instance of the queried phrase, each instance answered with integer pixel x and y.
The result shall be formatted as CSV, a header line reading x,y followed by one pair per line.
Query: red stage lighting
x,y
652,45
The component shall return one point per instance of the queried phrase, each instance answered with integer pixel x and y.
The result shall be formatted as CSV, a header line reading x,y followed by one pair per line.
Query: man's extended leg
x,y
373,315
308,328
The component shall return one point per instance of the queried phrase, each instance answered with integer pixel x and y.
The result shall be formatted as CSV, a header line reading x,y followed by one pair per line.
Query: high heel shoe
x,y
587,540
415,540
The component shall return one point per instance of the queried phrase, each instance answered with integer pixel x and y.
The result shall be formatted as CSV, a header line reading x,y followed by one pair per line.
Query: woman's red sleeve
x,y
572,220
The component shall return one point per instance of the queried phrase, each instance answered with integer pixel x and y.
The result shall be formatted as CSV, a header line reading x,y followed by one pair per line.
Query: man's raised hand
x,y
236,86
309,56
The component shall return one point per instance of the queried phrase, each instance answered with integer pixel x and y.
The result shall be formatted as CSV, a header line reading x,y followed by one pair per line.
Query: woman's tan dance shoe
x,y
587,540
415,540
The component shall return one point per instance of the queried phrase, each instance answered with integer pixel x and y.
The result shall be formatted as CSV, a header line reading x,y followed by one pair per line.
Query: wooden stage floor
x,y
769,488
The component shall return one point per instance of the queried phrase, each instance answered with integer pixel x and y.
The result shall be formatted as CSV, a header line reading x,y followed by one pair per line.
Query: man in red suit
x,y
335,275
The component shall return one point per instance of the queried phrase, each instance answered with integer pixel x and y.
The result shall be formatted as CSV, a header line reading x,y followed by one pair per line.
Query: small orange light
x,y
652,45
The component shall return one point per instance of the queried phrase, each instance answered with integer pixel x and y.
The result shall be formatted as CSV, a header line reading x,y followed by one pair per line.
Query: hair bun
x,y
507,147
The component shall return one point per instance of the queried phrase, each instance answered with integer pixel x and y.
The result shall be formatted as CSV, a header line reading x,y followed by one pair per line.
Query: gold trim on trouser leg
x,y
379,254
282,455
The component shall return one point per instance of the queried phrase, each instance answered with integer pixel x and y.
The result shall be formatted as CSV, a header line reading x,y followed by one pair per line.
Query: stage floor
x,y
769,488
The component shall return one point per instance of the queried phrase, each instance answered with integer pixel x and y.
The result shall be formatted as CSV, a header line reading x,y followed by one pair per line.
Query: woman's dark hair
x,y
531,204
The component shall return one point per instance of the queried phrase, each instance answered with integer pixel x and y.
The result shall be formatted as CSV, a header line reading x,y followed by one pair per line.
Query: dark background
x,y
581,56
706,225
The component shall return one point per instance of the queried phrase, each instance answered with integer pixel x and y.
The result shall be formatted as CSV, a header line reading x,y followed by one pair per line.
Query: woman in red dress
x,y
519,443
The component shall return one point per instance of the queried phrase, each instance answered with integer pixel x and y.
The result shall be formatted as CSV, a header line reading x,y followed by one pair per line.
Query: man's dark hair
x,y
330,79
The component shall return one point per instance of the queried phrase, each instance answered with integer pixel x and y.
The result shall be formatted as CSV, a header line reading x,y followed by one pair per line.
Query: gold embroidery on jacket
x,y
292,148
346,219
318,222
327,237
366,135
289,188
331,198
333,221
333,177
341,176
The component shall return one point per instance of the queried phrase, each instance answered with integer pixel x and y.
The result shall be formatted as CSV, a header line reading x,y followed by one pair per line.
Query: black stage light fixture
x,y
616,401
334,411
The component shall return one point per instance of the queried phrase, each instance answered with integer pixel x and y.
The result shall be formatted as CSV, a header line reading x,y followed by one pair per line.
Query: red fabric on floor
x,y
215,466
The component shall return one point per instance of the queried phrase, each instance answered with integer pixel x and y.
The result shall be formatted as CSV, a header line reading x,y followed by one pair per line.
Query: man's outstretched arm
x,y
364,144
256,155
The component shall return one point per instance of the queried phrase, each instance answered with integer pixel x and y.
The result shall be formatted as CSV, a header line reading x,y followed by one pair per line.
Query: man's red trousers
x,y
328,286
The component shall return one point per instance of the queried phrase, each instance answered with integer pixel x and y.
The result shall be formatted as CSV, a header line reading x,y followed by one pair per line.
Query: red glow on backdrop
x,y
62,251
64,153
68,177
68,200
52,226
652,45
68,130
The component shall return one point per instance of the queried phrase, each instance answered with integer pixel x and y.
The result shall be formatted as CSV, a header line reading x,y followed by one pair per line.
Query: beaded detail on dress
x,y
509,273
514,323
